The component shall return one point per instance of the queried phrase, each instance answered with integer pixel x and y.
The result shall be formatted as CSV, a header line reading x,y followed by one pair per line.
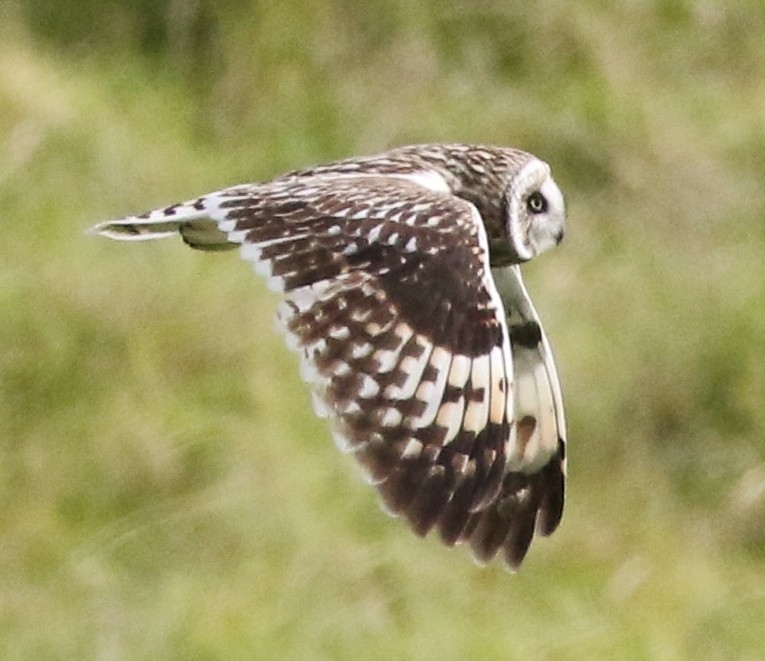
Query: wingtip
x,y
127,230
95,230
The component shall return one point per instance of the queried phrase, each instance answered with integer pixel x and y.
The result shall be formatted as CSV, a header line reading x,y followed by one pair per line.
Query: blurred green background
x,y
165,491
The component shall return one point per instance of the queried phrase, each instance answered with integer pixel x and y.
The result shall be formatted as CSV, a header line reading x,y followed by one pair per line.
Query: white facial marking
x,y
531,233
547,228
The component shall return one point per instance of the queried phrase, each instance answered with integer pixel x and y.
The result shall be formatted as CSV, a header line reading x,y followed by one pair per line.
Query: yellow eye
x,y
536,203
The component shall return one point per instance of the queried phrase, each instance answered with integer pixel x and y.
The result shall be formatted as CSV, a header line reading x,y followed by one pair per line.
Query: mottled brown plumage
x,y
403,295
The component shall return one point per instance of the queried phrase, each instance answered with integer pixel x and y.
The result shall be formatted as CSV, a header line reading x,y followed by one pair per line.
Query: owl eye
x,y
536,203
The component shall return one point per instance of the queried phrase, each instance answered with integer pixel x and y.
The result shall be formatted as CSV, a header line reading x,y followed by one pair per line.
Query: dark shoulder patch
x,y
527,335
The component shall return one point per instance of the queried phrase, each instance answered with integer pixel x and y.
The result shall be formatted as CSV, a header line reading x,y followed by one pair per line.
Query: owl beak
x,y
559,236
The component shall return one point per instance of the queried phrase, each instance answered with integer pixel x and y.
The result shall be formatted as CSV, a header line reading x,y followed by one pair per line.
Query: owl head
x,y
536,212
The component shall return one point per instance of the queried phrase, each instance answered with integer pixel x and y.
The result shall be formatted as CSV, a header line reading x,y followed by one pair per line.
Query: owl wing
x,y
390,300
533,491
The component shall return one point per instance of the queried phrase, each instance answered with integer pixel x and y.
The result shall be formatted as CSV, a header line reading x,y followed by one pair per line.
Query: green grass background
x,y
165,491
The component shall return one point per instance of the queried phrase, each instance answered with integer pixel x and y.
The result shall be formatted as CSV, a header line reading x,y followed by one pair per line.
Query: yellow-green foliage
x,y
165,491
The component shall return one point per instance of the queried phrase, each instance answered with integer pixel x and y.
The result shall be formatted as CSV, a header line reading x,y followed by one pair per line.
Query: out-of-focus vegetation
x,y
165,491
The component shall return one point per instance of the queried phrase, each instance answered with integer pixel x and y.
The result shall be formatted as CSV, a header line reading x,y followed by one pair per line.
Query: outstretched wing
x,y
390,300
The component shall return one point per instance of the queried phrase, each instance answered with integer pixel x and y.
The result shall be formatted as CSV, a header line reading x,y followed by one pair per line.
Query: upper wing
x,y
390,299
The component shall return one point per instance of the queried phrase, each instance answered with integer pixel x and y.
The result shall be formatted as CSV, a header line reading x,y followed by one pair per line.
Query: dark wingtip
x,y
553,493
519,539
488,536
456,514
527,504
425,495
429,502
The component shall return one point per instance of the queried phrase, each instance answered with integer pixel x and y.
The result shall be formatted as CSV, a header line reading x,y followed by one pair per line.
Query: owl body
x,y
402,292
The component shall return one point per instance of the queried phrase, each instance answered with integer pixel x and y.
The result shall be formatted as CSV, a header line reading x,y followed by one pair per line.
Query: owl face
x,y
536,212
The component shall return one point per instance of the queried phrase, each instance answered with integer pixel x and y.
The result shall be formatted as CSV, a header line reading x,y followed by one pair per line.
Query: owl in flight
x,y
402,293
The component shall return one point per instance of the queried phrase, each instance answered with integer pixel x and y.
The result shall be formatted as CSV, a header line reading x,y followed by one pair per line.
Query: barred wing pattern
x,y
390,300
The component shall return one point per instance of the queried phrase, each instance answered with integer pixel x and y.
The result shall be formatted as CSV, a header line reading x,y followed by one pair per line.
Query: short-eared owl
x,y
402,292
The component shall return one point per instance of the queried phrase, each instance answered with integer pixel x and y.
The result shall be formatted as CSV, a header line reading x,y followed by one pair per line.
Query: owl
x,y
401,290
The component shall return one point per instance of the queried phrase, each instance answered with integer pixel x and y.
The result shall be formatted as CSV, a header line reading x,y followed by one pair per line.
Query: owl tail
x,y
194,225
